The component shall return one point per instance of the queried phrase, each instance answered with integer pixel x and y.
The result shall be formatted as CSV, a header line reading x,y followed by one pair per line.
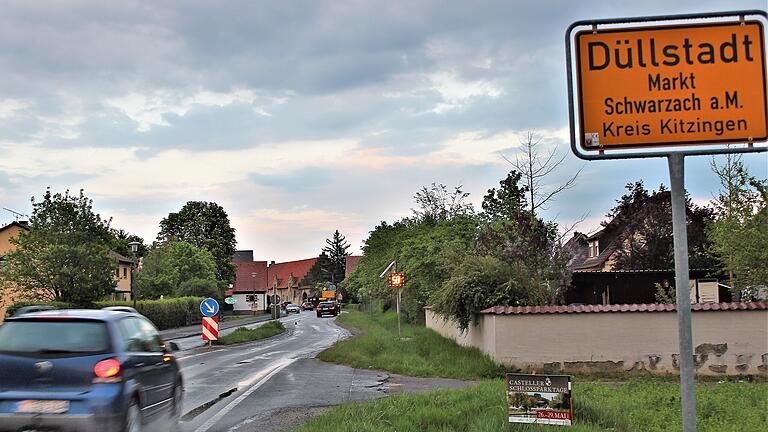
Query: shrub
x,y
16,306
166,313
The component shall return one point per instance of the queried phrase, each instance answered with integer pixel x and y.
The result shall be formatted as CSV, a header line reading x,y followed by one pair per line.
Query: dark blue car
x,y
86,370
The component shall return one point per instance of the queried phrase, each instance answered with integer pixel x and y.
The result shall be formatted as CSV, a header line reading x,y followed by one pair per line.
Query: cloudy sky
x,y
298,117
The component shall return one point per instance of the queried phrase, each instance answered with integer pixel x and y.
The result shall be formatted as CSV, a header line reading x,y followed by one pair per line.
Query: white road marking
x,y
196,355
261,380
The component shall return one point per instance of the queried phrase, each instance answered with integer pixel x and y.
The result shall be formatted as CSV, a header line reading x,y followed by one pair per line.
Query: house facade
x,y
7,233
595,278
123,277
256,282
287,280
250,288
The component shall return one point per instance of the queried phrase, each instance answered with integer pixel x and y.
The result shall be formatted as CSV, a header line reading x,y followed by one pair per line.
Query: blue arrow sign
x,y
209,307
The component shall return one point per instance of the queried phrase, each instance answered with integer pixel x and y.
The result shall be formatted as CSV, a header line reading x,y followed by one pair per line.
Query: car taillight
x,y
107,371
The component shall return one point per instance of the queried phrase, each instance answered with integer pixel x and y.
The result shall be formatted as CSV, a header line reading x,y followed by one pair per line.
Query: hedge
x,y
16,306
165,314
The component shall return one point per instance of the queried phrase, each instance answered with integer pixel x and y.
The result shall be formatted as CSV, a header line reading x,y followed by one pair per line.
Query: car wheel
x,y
133,417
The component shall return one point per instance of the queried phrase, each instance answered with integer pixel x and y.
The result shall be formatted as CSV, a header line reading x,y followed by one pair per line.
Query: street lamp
x,y
135,249
253,300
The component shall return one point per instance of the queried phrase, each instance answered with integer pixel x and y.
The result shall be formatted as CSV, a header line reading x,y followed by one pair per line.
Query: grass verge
x,y
625,403
421,352
636,405
243,334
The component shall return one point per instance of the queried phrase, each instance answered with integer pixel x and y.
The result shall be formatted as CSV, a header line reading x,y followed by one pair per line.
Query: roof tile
x,y
522,310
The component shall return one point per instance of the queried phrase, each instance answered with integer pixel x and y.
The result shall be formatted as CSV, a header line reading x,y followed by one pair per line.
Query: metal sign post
x,y
679,84
682,292
395,279
209,308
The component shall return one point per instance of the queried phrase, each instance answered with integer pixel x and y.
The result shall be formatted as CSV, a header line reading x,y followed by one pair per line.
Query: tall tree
x,y
435,203
205,225
336,250
65,255
319,272
177,268
643,226
740,232
535,165
123,241
507,201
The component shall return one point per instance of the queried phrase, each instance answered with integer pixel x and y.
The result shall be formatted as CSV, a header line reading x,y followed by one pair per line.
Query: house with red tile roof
x,y
351,264
287,280
250,287
256,281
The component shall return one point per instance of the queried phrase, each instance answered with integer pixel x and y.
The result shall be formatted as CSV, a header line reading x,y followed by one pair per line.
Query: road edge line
x,y
224,411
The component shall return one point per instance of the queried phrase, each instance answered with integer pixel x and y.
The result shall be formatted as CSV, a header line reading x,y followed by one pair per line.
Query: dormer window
x,y
594,248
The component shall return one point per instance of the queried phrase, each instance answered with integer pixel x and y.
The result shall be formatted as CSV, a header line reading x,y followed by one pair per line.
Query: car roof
x,y
97,314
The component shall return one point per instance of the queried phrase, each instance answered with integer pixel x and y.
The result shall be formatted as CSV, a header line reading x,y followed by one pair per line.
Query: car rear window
x,y
326,304
56,337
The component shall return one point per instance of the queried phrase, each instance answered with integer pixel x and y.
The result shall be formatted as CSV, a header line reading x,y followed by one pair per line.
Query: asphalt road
x,y
226,388
276,384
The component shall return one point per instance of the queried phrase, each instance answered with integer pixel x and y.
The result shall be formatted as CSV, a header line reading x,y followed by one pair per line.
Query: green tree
x,y
336,251
517,260
506,202
177,269
435,203
379,249
205,225
122,244
65,255
478,283
739,233
319,272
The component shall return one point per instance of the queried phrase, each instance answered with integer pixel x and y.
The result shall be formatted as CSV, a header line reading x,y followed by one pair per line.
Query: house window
x,y
117,273
125,273
594,248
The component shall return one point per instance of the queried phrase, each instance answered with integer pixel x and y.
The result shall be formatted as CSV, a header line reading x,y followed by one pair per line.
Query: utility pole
x,y
253,300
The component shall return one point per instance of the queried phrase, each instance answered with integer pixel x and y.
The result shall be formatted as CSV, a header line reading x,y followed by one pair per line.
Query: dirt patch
x,y
398,384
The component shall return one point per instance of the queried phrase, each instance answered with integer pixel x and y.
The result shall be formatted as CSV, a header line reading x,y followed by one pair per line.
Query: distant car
x,y
34,308
86,370
292,308
307,306
327,308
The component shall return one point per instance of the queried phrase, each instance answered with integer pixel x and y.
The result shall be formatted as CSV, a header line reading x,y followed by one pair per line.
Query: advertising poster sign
x,y
539,399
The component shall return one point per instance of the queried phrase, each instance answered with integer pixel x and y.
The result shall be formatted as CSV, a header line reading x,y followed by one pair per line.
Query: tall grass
x,y
420,352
